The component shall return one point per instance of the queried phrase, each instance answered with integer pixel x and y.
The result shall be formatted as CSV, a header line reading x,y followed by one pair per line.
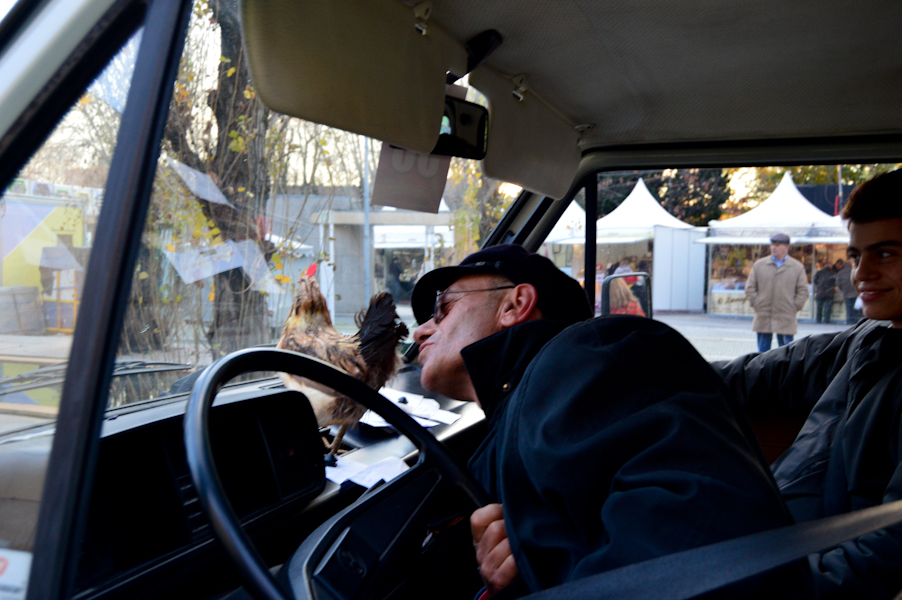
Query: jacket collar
x,y
497,363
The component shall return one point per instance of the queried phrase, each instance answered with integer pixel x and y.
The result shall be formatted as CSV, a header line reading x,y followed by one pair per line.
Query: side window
x,y
48,218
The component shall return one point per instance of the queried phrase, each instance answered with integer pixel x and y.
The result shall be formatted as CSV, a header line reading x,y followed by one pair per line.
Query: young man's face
x,y
468,318
779,251
875,250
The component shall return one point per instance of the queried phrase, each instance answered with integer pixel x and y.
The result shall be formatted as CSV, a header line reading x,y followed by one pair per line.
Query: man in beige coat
x,y
777,289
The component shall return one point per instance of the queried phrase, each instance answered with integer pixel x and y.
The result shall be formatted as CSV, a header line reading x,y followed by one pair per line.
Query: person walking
x,y
824,289
777,289
847,289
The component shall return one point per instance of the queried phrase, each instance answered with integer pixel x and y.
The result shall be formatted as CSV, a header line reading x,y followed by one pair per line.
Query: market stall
x,y
735,244
629,231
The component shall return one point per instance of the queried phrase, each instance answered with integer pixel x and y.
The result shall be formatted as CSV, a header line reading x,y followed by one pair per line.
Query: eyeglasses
x,y
440,311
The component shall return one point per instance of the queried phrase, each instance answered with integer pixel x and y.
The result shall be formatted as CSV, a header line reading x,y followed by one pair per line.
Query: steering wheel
x,y
359,550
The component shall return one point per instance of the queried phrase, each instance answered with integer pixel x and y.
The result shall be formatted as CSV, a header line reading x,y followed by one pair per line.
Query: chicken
x,y
371,355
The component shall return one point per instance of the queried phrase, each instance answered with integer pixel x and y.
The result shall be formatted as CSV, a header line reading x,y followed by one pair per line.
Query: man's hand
x,y
493,550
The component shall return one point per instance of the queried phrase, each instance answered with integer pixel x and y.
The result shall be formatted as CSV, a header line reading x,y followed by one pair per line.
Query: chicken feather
x,y
371,355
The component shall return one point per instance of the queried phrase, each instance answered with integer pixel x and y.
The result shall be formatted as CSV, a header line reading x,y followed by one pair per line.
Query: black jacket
x,y
848,455
824,283
613,442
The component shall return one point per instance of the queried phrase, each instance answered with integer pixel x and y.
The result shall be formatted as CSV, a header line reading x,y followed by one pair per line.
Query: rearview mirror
x,y
464,129
626,294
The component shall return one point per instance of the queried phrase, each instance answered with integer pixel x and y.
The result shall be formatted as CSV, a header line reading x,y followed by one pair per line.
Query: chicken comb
x,y
311,270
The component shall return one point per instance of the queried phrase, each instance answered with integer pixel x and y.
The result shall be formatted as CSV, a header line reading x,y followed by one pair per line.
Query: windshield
x,y
246,201
48,219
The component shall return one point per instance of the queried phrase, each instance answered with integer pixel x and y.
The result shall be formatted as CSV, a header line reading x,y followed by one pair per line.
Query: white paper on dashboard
x,y
385,470
343,470
424,411
373,420
365,475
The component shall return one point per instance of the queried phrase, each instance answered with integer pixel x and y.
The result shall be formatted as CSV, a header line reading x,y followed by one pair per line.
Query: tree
x,y
769,177
219,127
476,202
694,196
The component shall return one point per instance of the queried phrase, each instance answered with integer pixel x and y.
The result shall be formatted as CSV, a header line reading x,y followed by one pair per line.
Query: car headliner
x,y
676,71
615,81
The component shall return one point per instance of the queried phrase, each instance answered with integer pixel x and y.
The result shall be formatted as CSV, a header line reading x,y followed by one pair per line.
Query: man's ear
x,y
519,305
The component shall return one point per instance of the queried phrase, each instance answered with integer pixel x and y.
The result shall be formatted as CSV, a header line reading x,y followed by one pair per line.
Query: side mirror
x,y
464,130
626,294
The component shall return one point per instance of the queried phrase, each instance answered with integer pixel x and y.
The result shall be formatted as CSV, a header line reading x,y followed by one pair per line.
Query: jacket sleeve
x,y
801,290
788,379
869,566
751,287
609,467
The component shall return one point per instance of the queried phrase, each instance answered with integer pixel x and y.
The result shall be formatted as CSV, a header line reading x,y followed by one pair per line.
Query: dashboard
x,y
146,533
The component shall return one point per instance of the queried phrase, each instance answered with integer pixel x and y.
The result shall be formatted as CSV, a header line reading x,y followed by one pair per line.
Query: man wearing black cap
x,y
592,464
777,289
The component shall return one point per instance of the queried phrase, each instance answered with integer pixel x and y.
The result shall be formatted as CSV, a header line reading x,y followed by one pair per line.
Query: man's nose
x,y
864,270
422,333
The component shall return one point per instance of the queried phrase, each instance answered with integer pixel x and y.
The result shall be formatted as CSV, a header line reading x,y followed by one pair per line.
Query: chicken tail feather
x,y
380,332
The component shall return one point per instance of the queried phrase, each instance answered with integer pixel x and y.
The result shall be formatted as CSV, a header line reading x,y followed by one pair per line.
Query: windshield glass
x,y
246,201
48,218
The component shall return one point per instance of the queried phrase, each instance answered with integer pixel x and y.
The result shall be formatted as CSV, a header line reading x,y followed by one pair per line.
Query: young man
x,y
848,455
593,464
777,289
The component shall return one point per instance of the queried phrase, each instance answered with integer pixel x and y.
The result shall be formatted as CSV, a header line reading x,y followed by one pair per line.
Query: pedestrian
x,y
777,289
639,289
623,301
625,267
847,289
824,289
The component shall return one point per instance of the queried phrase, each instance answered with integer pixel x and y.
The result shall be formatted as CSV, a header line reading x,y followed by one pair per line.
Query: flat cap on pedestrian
x,y
779,238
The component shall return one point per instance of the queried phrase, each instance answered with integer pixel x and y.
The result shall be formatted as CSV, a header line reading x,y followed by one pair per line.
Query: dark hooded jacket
x,y
848,455
599,465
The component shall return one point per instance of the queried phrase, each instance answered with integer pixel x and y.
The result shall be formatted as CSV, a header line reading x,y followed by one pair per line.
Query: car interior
x,y
214,485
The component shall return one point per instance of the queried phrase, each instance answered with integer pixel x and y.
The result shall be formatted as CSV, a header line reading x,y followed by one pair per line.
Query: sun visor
x,y
364,67
528,143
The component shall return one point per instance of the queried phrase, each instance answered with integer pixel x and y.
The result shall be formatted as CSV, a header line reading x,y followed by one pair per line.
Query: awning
x,y
764,241
608,239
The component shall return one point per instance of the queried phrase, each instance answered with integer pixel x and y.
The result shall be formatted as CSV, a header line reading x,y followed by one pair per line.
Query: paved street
x,y
715,337
35,349
723,338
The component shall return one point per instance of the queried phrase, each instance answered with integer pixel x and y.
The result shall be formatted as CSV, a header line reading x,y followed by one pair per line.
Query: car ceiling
x,y
699,70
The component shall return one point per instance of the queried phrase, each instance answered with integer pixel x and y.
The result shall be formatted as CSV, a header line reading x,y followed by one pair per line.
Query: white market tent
x,y
678,264
571,226
633,221
638,215
787,211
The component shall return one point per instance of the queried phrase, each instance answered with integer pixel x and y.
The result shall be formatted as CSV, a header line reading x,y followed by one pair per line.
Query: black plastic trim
x,y
15,19
496,236
591,185
72,464
774,152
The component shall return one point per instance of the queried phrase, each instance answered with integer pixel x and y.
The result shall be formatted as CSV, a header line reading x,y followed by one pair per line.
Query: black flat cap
x,y
561,298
